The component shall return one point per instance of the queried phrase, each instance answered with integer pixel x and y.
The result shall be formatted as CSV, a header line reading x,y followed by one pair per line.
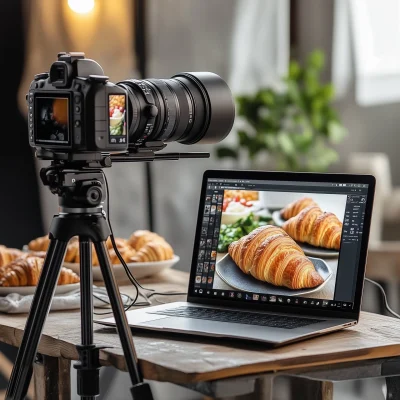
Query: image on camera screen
x,y
117,113
52,119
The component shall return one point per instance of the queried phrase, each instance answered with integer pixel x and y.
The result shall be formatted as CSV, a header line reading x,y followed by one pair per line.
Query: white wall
x,y
373,129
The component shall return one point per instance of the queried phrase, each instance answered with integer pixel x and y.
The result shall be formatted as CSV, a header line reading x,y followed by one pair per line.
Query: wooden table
x,y
217,368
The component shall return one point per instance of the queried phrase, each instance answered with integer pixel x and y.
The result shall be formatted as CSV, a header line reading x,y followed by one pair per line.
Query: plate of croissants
x,y
317,232
145,253
269,261
20,271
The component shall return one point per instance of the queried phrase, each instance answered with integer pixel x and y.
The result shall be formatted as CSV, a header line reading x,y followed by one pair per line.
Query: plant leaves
x,y
285,143
294,70
336,132
316,60
227,152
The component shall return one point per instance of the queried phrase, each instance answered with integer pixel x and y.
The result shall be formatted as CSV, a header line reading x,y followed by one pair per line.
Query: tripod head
x,y
79,191
78,179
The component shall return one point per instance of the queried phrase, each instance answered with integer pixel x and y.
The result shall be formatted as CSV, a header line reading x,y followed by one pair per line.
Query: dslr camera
x,y
75,109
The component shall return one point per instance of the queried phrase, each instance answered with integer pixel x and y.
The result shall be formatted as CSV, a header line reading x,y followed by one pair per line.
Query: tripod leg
x,y
22,371
85,251
119,313
88,367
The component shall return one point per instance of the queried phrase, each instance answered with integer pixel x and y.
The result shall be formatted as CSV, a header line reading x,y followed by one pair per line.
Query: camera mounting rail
x,y
104,160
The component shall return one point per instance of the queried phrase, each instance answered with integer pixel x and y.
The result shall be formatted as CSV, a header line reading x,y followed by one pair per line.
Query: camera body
x,y
75,109
75,113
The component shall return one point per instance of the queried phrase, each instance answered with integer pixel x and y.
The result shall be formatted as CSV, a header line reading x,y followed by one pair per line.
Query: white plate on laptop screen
x,y
138,270
232,275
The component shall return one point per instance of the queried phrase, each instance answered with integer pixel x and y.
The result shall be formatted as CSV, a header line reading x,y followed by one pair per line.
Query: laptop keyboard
x,y
238,317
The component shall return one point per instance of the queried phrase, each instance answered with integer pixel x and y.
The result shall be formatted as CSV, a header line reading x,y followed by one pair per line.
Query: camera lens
x,y
191,107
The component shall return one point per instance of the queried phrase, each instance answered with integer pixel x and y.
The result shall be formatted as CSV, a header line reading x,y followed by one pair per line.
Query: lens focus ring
x,y
171,105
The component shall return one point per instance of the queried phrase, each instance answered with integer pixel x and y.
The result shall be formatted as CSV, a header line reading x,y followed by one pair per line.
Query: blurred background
x,y
317,87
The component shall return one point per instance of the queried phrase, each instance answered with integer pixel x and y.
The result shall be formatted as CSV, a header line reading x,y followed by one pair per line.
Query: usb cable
x,y
384,297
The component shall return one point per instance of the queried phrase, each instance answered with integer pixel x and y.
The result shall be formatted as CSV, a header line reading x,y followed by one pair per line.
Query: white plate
x,y
139,270
25,290
233,276
276,217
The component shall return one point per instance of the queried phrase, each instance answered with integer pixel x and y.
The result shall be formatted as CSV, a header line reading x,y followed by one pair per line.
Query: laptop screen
x,y
280,242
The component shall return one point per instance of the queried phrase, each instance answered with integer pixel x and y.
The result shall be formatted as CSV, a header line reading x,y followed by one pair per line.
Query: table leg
x,y
308,389
52,378
263,389
392,387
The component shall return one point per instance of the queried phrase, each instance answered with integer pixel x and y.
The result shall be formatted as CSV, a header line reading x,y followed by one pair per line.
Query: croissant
x,y
39,244
72,253
313,226
244,253
158,250
7,255
139,238
277,260
127,252
67,276
118,241
26,272
22,272
294,208
40,254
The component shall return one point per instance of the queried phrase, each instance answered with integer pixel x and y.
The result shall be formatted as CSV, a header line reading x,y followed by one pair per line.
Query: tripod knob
x,y
88,193
93,195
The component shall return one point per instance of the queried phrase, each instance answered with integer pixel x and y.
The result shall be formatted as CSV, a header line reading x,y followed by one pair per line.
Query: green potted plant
x,y
296,127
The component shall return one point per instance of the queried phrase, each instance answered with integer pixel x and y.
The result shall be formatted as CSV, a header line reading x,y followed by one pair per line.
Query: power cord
x,y
131,278
384,297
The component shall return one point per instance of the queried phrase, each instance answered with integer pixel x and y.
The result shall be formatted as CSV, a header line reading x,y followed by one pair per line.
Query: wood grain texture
x,y
180,359
310,389
52,378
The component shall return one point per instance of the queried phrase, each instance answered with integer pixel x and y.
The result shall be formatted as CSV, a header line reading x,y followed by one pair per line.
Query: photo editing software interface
x,y
289,243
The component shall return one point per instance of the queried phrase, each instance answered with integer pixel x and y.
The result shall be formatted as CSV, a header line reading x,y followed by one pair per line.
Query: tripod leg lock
x,y
88,370
141,391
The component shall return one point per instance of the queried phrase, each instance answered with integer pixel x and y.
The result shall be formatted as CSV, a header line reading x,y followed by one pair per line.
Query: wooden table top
x,y
183,359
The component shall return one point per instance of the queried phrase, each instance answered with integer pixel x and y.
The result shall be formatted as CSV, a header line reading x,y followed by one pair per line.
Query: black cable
x,y
131,278
167,294
107,302
384,297
128,272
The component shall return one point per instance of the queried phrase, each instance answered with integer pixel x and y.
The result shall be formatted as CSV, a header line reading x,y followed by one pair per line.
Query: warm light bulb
x,y
81,6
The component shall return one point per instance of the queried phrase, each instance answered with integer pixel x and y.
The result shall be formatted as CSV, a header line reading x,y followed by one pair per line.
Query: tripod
x,y
81,194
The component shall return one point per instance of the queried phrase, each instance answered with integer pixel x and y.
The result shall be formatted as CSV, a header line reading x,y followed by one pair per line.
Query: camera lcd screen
x,y
117,118
52,119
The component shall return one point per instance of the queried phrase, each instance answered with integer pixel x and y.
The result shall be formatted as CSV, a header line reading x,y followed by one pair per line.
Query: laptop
x,y
278,257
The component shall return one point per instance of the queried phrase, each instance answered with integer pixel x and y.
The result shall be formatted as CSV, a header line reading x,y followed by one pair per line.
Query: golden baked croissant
x,y
127,252
313,226
7,255
244,253
72,253
40,254
277,259
158,250
139,238
26,272
39,244
118,241
22,272
294,208
67,276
